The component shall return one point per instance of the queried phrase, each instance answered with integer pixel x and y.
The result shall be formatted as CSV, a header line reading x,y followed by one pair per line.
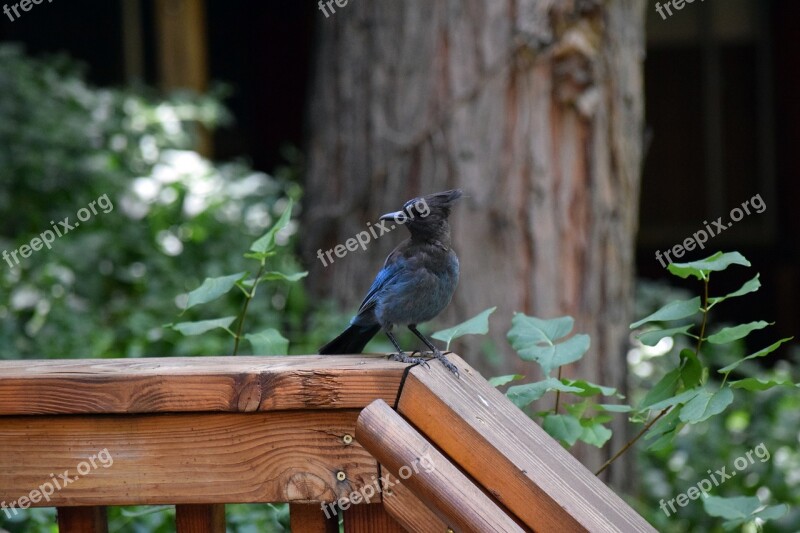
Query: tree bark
x,y
535,108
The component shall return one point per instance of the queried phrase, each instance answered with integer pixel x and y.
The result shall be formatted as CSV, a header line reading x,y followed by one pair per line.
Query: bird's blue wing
x,y
387,276
384,278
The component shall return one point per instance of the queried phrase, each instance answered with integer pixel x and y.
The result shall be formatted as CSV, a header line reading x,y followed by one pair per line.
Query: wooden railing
x,y
390,447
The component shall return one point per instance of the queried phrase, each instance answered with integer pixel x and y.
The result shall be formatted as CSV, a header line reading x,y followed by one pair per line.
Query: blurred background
x,y
587,135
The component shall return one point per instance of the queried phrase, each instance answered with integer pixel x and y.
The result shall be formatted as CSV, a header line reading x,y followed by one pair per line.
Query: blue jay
x,y
415,284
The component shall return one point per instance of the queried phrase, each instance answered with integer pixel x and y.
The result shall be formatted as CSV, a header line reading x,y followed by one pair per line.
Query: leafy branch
x,y
266,342
684,395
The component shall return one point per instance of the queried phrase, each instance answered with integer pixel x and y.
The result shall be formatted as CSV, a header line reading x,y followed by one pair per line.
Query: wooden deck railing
x,y
395,447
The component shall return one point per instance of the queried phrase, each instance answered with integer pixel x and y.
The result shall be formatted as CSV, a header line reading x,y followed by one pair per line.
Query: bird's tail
x,y
352,340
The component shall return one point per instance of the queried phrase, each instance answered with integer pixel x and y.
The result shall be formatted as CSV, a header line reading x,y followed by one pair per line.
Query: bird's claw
x,y
447,364
403,358
441,357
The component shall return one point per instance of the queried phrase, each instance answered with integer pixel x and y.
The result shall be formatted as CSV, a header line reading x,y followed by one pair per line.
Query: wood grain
x,y
310,518
199,519
290,456
408,510
370,518
427,473
198,384
82,520
508,454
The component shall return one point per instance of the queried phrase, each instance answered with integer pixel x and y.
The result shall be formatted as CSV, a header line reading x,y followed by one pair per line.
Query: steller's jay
x,y
415,284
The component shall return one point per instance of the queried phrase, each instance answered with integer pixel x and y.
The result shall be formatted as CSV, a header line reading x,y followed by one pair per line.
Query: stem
x,y
558,392
705,318
248,297
633,440
700,339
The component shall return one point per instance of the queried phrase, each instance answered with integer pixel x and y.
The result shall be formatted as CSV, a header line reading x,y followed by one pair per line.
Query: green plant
x,y
106,289
266,342
688,394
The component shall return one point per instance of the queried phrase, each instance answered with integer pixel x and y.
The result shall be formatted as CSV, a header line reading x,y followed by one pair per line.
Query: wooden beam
x,y
199,518
427,473
287,456
197,384
402,505
371,518
82,520
493,441
310,518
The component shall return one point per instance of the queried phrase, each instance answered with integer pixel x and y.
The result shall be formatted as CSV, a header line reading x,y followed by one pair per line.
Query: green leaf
x,y
266,242
664,431
705,405
499,381
734,333
564,428
731,508
201,326
213,288
741,509
284,277
756,384
730,334
672,311
615,408
691,369
477,325
663,389
577,409
750,286
651,338
772,512
589,389
259,256
661,443
683,397
761,353
522,395
595,434
268,342
700,269
535,339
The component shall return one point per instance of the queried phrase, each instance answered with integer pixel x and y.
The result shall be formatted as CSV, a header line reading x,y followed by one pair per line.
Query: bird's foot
x,y
403,358
441,357
446,362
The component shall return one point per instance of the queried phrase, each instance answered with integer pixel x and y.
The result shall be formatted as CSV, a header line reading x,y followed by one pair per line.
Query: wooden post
x,y
82,520
200,518
427,473
309,518
371,518
504,451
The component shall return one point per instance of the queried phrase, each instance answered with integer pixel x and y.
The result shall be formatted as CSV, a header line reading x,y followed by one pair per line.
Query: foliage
x,y
477,325
268,341
106,288
771,417
705,389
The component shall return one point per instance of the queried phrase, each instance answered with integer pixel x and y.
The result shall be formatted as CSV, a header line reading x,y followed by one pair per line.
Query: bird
x,y
416,283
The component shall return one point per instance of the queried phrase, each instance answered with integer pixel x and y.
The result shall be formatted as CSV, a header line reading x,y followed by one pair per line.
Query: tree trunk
x,y
535,108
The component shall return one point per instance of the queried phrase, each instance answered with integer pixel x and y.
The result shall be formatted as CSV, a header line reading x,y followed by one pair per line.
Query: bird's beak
x,y
391,216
